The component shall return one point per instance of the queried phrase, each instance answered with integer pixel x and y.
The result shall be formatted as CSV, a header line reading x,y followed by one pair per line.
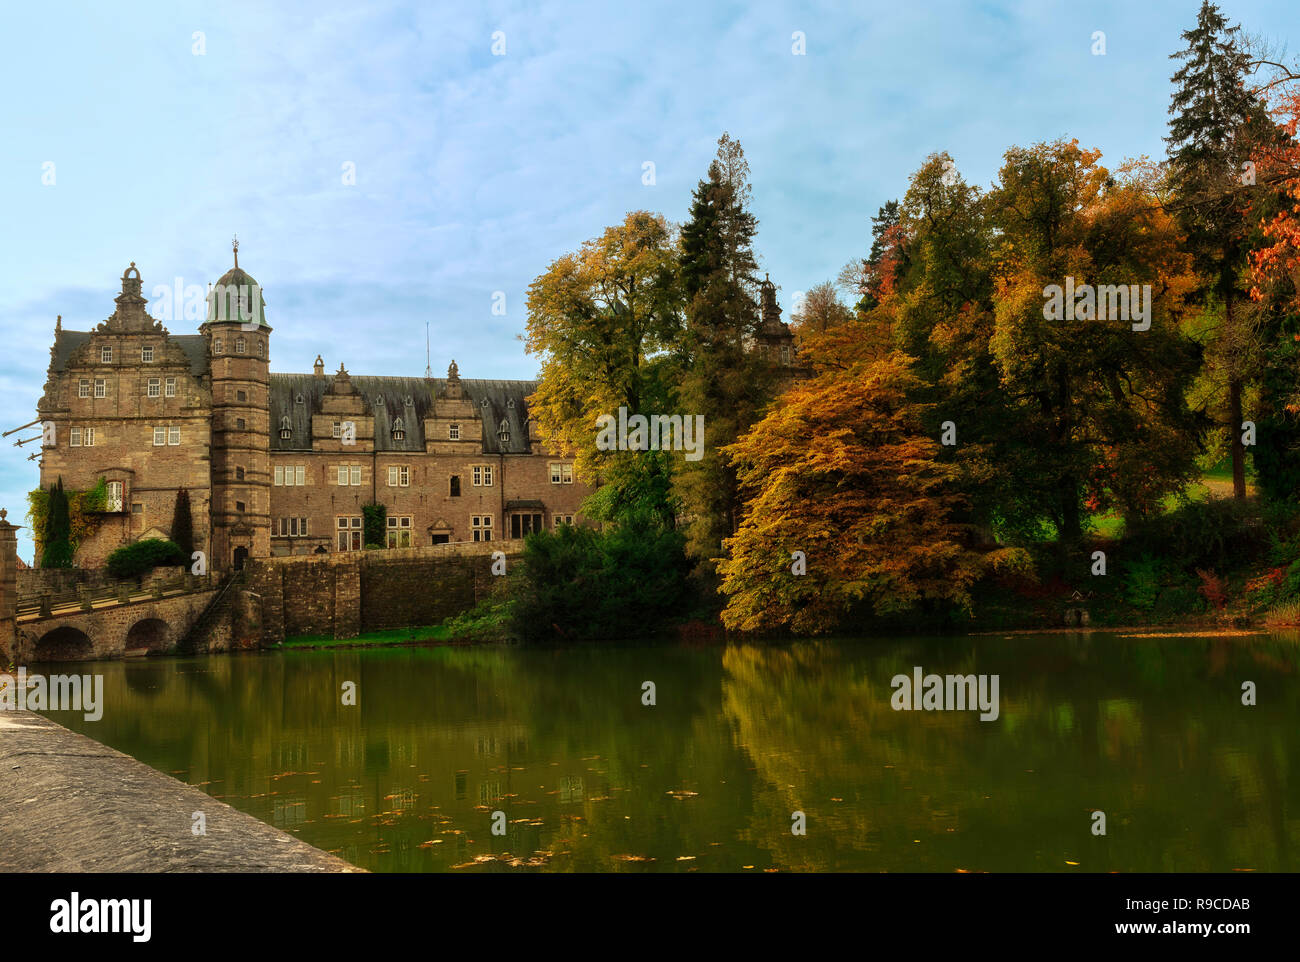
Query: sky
x,y
388,165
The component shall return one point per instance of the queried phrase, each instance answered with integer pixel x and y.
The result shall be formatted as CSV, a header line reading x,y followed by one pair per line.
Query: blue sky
x,y
475,171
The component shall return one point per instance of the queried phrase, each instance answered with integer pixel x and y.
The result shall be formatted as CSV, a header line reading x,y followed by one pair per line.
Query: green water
x,y
1151,732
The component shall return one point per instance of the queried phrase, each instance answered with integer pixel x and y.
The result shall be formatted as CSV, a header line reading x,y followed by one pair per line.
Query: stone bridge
x,y
143,625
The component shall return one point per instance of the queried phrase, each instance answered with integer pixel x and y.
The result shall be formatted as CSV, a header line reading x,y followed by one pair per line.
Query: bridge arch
x,y
147,634
65,643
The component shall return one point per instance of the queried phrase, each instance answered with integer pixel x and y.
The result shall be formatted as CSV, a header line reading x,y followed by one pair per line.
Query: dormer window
x,y
285,431
298,399
399,432
503,432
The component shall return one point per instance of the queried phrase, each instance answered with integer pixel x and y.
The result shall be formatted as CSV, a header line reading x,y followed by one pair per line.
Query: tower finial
x,y
428,359
234,244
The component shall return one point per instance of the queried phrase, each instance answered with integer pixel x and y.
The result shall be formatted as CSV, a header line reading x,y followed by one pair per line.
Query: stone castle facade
x,y
280,464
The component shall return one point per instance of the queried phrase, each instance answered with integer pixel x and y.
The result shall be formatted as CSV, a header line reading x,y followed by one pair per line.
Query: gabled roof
x,y
66,343
408,398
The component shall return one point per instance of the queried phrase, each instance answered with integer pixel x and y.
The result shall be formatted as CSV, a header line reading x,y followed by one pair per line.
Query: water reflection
x,y
1150,731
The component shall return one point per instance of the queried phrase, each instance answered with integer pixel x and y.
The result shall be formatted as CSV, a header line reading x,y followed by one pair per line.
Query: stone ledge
x,y
70,804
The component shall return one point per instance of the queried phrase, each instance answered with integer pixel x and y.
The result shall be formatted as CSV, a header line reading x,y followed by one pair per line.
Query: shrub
x,y
1212,588
374,521
1142,582
134,560
1218,534
1179,600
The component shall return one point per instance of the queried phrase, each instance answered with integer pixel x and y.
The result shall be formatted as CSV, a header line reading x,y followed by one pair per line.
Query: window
x,y
290,474
240,507
455,485
559,519
522,524
239,424
482,477
349,474
89,437
169,387
785,353
349,533
137,508
338,429
174,435
561,473
240,345
159,437
74,437
398,476
239,473
241,395
106,355
292,527
286,432
399,433
101,387
155,387
453,432
481,525
83,387
216,346
114,501
146,353
261,348
399,532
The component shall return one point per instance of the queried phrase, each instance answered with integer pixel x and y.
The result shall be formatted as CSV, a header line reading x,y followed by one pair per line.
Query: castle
x,y
280,464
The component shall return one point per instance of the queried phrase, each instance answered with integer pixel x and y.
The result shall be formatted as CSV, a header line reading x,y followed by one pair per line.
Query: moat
x,y
1150,731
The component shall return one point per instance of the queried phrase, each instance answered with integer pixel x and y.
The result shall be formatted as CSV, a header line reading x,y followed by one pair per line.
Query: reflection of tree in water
x,y
1189,779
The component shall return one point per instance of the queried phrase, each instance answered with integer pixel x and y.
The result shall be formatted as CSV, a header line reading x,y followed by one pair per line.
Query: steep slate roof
x,y
195,347
410,398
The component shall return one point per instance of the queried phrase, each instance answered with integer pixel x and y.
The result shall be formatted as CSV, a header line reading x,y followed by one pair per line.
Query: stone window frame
x,y
116,496
74,438
480,527
106,354
169,387
399,529
558,473
101,387
353,476
83,387
173,435
154,387
159,436
146,354
216,345
453,432
241,346
481,475
291,527
453,486
88,438
559,519
399,476
348,530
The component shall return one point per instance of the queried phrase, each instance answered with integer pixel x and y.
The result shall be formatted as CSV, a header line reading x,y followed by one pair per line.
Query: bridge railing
x,y
85,598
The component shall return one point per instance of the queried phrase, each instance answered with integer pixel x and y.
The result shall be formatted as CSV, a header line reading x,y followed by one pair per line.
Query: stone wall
x,y
346,594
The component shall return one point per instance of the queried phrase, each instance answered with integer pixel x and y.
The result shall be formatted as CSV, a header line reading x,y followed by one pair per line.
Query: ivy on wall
x,y
85,513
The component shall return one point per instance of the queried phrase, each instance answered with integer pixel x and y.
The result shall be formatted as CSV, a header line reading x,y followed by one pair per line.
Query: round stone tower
x,y
239,349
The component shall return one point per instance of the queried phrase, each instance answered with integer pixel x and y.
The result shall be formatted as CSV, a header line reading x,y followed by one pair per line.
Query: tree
x,y
183,523
841,473
1102,380
58,530
722,376
1210,142
603,319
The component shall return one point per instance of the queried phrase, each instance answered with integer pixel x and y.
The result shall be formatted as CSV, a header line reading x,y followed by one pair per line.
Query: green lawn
x,y
1216,481
393,636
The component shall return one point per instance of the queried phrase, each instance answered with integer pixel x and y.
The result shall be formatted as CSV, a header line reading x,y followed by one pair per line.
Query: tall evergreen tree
x,y
722,377
1216,119
57,537
183,523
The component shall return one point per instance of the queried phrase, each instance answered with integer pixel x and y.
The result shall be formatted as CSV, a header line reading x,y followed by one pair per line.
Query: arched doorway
x,y
149,635
241,555
64,644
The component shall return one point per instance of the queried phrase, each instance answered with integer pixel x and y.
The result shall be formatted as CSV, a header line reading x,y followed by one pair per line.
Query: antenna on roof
x,y
428,359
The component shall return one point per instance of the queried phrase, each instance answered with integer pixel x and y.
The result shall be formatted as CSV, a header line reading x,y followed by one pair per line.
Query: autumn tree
x,y
603,319
1102,379
840,477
